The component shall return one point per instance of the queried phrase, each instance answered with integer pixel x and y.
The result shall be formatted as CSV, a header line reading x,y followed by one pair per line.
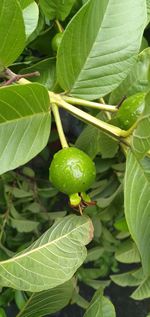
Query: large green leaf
x,y
99,46
137,207
100,306
141,135
24,124
30,15
52,259
136,81
48,302
12,32
56,9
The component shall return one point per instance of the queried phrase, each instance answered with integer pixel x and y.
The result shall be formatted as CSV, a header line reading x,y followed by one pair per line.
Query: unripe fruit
x,y
72,171
56,40
129,111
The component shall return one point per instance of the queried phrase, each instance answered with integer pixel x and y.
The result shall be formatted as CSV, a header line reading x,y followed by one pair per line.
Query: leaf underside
x,y
52,259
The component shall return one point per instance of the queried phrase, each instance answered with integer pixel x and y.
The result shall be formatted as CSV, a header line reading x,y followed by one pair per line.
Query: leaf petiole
x,y
84,116
90,104
80,114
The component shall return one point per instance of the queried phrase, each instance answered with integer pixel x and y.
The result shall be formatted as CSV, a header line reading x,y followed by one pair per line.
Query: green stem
x,y
60,130
84,116
59,27
102,100
107,112
90,104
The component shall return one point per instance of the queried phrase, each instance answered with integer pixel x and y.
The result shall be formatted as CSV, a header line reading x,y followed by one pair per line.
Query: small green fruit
x,y
56,40
129,111
72,171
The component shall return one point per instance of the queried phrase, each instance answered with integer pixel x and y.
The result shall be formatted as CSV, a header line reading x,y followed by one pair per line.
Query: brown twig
x,y
14,78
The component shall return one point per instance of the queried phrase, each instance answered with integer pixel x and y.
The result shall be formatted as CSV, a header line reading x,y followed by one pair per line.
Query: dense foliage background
x,y
82,58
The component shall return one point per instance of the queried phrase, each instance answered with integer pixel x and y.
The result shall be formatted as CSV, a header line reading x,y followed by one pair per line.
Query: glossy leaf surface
x,y
56,9
96,51
136,81
12,32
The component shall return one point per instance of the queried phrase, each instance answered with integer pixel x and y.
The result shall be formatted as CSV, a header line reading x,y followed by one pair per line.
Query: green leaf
x,y
20,299
12,32
34,208
56,9
94,254
136,81
127,279
30,15
137,207
2,312
25,3
141,135
97,49
79,300
104,202
96,284
146,165
20,193
127,252
47,70
52,259
48,302
100,306
143,291
148,10
121,225
91,273
144,44
39,29
24,124
23,225
14,213
93,142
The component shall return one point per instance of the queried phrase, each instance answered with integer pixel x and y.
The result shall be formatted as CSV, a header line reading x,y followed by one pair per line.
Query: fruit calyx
x,y
79,201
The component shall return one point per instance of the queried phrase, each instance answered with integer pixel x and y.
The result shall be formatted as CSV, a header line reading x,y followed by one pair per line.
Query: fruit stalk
x,y
59,26
59,126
